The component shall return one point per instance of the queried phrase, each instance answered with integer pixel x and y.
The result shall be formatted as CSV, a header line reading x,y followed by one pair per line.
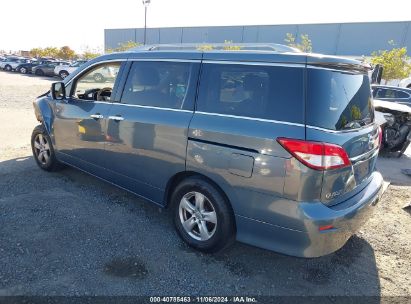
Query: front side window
x,y
338,100
157,84
97,83
266,92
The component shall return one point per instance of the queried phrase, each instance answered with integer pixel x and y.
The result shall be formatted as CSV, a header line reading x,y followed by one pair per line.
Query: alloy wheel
x,y
42,149
198,216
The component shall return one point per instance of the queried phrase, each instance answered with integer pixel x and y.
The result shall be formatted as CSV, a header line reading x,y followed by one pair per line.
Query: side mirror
x,y
58,91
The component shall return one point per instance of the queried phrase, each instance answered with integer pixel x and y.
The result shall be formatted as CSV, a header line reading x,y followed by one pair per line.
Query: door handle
x,y
96,116
116,118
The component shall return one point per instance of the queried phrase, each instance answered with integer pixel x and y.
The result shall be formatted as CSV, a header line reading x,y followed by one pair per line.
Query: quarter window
x,y
157,84
267,92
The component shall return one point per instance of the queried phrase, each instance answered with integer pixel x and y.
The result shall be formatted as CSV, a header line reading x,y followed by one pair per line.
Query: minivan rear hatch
x,y
339,110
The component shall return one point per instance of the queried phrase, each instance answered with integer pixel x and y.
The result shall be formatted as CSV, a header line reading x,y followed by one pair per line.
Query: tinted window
x,y
268,92
380,93
400,94
338,100
157,84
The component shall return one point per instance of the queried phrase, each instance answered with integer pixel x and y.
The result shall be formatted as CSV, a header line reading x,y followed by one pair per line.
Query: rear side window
x,y
338,100
266,92
157,84
400,94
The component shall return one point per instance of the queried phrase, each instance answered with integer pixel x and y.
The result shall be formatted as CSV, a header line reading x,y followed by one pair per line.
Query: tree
x,y
124,46
90,53
205,47
36,52
66,53
396,62
305,44
230,47
51,51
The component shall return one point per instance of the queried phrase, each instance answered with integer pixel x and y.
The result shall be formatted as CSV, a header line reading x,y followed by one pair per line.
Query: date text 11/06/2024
x,y
236,299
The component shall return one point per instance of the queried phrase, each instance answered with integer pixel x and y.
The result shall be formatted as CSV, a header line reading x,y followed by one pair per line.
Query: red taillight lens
x,y
316,155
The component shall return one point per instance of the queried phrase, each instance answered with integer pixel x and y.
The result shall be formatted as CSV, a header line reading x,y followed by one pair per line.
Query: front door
x,y
80,120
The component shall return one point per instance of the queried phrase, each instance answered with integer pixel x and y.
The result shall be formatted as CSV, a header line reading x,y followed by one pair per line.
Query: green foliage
x,y
396,62
66,53
205,47
305,44
230,47
125,46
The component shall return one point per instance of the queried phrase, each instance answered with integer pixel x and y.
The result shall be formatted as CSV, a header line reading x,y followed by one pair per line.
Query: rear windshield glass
x,y
338,100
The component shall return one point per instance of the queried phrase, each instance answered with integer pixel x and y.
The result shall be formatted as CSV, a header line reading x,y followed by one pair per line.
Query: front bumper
x,y
345,218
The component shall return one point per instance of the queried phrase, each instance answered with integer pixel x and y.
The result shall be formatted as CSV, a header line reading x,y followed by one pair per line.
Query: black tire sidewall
x,y
63,73
225,231
52,164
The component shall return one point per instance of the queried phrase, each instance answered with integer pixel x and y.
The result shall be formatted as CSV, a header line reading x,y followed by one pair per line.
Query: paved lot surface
x,y
67,233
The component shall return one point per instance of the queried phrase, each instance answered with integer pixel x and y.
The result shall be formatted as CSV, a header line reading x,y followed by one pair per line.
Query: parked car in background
x,y
64,70
390,93
405,83
277,149
12,62
27,67
47,69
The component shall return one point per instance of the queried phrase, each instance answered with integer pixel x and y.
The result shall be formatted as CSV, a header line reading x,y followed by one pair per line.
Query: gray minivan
x,y
272,147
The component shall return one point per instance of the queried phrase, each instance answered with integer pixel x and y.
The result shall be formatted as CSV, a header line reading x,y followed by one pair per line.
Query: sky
x,y
80,24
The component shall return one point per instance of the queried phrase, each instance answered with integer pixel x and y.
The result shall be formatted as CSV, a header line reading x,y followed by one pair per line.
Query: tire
x,y
409,86
39,73
98,77
201,232
43,151
23,70
63,74
8,68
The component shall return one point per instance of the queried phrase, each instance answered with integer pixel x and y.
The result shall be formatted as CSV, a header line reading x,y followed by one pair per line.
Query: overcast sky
x,y
81,23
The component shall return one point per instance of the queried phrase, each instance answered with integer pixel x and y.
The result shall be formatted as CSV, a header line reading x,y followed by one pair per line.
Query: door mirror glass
x,y
58,91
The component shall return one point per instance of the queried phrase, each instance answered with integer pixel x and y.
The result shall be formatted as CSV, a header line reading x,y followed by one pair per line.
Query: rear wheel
x,y
39,72
63,74
43,151
202,215
23,70
98,77
409,86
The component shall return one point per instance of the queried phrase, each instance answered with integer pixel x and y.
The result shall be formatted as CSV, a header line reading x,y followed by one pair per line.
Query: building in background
x,y
348,39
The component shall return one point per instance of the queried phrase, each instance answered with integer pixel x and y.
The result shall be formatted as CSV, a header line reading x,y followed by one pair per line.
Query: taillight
x,y
316,155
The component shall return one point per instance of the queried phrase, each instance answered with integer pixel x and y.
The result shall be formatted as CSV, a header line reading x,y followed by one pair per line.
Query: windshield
x,y
338,100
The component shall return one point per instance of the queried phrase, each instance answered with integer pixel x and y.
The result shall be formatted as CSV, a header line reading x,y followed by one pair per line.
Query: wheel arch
x,y
179,177
44,114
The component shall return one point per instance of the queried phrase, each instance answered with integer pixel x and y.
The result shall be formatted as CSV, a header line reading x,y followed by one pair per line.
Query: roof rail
x,y
273,47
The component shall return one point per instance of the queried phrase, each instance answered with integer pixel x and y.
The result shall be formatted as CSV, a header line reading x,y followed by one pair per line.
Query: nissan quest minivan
x,y
265,145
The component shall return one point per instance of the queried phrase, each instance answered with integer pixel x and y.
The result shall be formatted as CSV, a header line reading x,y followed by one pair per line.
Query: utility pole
x,y
145,3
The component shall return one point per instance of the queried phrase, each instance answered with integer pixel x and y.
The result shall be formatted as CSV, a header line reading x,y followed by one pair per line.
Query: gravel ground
x,y
68,233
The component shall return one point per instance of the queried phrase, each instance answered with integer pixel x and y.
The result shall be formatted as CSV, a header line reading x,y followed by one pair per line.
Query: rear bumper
x,y
345,218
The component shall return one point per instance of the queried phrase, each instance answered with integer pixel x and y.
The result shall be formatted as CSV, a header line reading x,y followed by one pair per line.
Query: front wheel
x,y
43,151
202,215
8,68
23,70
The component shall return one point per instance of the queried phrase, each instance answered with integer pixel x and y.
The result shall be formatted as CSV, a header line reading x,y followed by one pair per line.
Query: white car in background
x,y
12,62
64,70
405,83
